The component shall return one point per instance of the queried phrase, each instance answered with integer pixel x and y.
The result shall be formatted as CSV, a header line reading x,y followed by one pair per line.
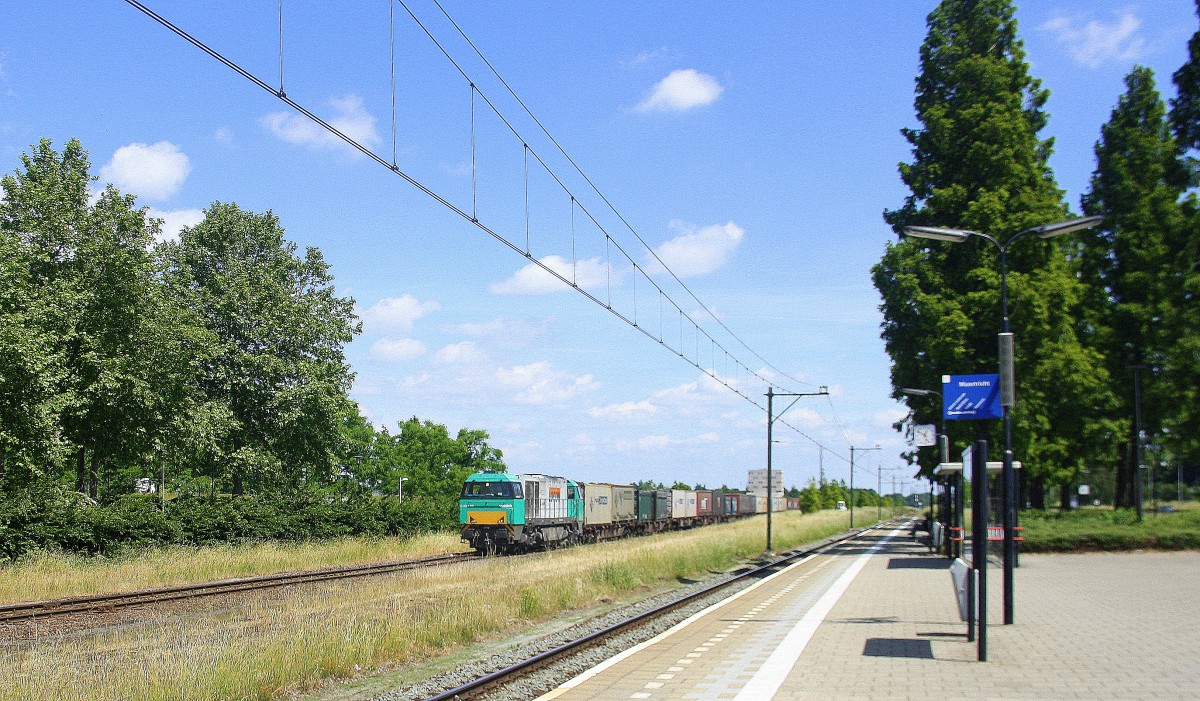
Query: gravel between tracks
x,y
553,675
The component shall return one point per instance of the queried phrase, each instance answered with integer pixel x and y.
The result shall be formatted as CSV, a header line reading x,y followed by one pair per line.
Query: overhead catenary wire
x,y
602,196
472,217
508,124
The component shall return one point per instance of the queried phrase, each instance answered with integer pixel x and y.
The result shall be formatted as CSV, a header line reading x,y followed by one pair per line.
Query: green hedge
x,y
51,517
1109,530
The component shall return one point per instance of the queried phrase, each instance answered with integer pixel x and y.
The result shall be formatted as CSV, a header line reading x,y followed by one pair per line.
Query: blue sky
x,y
752,147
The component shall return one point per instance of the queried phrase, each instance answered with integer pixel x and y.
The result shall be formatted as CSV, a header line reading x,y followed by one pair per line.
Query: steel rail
x,y
107,602
487,682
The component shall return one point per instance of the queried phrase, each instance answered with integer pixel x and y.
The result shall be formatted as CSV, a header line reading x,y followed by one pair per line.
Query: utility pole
x,y
771,394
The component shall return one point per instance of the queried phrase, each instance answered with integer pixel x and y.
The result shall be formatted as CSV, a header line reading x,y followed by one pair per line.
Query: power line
x,y
601,195
472,217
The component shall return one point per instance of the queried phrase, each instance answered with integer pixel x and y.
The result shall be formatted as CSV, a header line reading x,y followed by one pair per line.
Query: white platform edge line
x,y
588,674
767,680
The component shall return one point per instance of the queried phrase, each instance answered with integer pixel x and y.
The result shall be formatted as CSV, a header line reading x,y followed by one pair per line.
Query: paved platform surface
x,y
1089,626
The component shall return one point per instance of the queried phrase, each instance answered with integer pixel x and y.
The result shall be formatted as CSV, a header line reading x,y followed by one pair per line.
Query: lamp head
x,y
939,233
1046,231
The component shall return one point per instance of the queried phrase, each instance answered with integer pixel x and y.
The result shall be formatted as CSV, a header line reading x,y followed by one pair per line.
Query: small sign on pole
x,y
924,435
971,397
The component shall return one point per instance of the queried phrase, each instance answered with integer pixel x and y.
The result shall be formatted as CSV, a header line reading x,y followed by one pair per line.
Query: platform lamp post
x,y
1008,397
943,439
771,394
852,449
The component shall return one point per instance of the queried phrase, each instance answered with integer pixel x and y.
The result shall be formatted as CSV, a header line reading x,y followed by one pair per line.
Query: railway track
x,y
108,602
498,679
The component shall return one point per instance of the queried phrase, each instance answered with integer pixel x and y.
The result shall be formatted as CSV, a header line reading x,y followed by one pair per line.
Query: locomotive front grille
x,y
487,518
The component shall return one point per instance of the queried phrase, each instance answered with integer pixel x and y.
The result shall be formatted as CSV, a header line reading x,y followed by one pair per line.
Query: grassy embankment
x,y
56,575
1105,529
266,650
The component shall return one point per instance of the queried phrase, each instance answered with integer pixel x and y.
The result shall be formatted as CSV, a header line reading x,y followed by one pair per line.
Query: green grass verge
x,y
1108,530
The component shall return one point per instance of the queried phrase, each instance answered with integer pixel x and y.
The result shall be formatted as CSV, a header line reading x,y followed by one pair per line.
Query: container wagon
x,y
683,508
610,510
706,507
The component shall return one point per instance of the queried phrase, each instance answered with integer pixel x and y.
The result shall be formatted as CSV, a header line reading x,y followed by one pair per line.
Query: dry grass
x,y
51,575
265,651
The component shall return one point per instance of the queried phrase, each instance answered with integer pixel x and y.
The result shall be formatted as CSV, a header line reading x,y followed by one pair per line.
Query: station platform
x,y
876,619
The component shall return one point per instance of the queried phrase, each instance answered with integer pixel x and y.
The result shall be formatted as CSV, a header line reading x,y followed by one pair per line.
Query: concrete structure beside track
x,y
876,619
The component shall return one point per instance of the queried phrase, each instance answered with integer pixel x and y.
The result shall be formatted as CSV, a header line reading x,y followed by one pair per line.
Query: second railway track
x,y
108,602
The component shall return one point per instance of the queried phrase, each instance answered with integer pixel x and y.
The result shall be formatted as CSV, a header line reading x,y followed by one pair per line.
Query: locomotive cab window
x,y
491,490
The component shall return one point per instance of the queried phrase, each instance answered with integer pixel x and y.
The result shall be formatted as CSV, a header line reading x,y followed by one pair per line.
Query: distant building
x,y
757,483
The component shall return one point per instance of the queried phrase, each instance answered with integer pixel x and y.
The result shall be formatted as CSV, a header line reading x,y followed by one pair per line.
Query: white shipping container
x,y
683,503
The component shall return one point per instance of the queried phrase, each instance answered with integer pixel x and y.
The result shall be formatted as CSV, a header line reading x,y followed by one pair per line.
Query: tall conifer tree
x,y
979,164
1185,107
1128,263
1183,362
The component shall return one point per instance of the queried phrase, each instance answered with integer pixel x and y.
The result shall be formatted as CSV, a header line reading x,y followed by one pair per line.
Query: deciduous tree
x,y
278,378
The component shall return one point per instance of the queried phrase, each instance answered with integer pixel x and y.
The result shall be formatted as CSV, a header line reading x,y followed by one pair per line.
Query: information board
x,y
970,397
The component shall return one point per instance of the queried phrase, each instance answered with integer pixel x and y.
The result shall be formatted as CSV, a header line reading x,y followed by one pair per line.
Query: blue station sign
x,y
968,397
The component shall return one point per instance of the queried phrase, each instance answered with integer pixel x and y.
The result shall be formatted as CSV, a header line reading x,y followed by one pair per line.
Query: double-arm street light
x,y
1007,385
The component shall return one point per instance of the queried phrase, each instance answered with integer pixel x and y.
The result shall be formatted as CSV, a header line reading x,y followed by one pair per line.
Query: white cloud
x,y
397,349
663,440
350,118
646,57
223,135
465,352
502,329
397,313
681,90
625,410
888,418
698,250
487,328
154,171
582,443
174,221
540,383
590,274
1093,42
655,442
416,380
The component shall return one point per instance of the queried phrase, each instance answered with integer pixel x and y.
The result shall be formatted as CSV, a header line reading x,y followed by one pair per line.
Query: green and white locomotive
x,y
501,513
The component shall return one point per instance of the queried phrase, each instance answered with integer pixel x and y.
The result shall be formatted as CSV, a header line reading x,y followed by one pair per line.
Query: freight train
x,y
505,513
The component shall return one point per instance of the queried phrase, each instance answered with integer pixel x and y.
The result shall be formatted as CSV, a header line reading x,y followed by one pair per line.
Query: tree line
x,y
210,368
1107,321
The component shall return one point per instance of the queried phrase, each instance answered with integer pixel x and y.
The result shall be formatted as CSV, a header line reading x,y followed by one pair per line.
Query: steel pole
x,y
770,421
1008,481
852,486
979,540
